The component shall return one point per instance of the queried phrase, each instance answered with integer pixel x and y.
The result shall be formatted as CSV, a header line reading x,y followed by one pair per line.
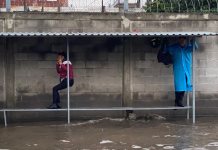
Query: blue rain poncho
x,y
182,64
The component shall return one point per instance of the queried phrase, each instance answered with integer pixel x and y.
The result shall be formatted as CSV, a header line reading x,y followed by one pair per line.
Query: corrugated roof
x,y
104,34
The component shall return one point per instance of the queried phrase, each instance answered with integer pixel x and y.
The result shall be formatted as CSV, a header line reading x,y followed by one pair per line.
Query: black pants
x,y
179,97
62,85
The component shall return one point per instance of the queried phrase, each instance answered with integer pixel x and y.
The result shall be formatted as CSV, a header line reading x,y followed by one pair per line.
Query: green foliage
x,y
181,6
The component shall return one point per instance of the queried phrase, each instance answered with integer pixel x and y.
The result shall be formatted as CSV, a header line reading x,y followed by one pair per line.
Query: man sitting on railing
x,y
61,67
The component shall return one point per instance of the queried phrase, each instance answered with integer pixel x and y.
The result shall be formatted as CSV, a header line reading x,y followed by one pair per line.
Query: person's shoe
x,y
53,106
179,105
58,106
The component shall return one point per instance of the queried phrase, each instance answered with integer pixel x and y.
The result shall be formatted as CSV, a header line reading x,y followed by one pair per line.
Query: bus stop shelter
x,y
109,34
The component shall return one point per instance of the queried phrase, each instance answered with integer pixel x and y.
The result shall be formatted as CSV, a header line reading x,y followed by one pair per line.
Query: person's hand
x,y
168,66
59,62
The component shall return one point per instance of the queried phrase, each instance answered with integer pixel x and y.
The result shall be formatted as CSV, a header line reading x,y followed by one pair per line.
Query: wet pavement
x,y
113,134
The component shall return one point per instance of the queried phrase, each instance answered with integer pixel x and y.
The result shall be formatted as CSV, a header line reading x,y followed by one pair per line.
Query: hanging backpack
x,y
162,56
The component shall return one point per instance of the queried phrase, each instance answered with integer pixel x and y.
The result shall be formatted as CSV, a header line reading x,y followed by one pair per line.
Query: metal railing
x,y
147,6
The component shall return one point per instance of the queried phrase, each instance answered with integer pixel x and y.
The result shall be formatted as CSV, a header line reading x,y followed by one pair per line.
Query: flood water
x,y
112,134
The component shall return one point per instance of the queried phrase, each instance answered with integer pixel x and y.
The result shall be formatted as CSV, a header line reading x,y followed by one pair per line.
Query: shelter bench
x,y
5,110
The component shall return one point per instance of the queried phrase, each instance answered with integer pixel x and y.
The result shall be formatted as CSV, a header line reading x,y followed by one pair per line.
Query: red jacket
x,y
62,69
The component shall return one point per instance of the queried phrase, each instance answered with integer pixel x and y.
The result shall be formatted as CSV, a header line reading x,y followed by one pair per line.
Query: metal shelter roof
x,y
104,34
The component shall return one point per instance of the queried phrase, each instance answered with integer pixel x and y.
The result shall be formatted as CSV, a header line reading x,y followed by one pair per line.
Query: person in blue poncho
x,y
181,54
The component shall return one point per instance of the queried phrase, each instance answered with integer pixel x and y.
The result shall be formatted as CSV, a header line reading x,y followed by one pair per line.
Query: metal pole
x,y
102,6
5,118
24,5
43,1
68,83
8,5
188,104
59,6
193,82
126,5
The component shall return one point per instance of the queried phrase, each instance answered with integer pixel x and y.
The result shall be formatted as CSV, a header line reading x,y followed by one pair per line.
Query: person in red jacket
x,y
61,67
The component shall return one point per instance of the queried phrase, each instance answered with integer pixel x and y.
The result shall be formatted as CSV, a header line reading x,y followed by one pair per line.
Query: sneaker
x,y
52,106
58,106
179,105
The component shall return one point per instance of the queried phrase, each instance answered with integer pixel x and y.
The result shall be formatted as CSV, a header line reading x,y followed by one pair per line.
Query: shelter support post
x,y
68,80
9,72
193,82
8,5
127,86
126,5
5,118
188,104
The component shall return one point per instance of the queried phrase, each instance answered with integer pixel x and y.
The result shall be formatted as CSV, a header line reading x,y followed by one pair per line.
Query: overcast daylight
x,y
108,74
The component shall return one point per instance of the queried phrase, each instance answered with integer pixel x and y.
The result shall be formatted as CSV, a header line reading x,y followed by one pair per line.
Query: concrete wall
x,y
97,69
108,71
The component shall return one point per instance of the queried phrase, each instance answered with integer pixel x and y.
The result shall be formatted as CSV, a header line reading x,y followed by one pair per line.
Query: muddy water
x,y
108,134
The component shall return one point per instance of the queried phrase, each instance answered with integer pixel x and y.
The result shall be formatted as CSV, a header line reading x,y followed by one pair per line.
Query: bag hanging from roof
x,y
162,56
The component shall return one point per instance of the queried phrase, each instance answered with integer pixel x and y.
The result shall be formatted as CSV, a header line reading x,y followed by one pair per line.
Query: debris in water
x,y
65,141
168,147
122,143
132,116
155,136
145,149
136,146
106,141
174,136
